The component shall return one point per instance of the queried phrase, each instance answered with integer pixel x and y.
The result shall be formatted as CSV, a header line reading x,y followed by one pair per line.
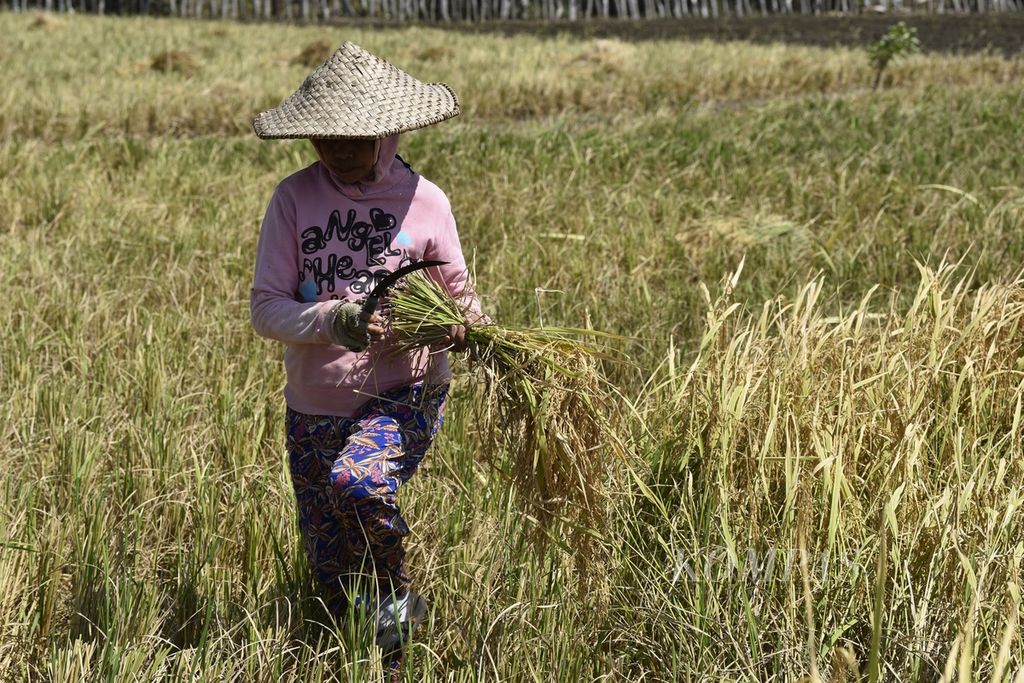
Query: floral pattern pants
x,y
346,473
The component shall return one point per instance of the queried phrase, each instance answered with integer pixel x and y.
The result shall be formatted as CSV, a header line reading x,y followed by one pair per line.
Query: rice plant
x,y
546,404
825,448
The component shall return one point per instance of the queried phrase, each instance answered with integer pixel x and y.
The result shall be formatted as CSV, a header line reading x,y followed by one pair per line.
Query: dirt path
x,y
950,33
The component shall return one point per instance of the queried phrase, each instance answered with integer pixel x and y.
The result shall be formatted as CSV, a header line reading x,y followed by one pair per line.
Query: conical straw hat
x,y
355,94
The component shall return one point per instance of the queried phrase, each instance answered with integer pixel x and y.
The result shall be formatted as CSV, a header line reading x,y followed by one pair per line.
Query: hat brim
x,y
294,119
355,94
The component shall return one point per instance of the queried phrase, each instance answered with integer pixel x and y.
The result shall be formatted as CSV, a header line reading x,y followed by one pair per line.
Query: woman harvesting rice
x,y
361,413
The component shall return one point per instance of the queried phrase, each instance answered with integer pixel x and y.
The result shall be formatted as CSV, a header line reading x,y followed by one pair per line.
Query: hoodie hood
x,y
387,170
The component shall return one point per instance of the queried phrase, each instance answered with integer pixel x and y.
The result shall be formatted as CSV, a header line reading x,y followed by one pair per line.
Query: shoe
x,y
396,618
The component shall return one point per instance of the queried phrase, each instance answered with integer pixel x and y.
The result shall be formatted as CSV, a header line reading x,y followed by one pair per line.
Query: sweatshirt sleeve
x,y
454,276
273,306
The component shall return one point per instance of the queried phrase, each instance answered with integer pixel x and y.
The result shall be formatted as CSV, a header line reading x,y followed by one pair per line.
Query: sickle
x,y
382,287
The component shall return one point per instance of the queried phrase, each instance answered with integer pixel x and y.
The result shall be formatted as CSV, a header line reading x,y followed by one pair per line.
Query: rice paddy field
x,y
820,294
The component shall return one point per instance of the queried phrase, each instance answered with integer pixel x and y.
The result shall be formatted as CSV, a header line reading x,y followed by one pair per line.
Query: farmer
x,y
359,416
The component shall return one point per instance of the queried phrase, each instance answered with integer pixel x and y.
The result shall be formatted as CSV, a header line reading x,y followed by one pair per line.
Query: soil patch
x,y
1001,33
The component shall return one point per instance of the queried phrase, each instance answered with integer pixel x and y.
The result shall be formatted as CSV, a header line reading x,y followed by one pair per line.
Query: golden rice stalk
x,y
546,402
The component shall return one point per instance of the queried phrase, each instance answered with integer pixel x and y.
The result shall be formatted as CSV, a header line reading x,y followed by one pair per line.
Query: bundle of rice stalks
x,y
546,403
434,53
46,22
607,56
314,54
175,61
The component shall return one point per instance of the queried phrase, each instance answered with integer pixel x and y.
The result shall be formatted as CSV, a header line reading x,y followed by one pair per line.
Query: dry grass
x,y
607,56
314,54
46,22
175,61
435,53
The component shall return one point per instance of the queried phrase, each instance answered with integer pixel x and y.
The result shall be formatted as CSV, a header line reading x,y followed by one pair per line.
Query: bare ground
x,y
1002,33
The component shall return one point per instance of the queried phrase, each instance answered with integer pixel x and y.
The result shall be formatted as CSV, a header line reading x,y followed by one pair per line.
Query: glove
x,y
347,327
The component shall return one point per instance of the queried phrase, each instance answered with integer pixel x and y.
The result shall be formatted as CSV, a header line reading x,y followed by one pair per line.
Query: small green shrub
x,y
900,40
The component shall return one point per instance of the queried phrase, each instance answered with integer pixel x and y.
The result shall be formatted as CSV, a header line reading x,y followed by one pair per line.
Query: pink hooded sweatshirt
x,y
324,240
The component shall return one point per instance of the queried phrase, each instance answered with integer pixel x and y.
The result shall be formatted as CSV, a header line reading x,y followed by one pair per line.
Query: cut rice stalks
x,y
546,404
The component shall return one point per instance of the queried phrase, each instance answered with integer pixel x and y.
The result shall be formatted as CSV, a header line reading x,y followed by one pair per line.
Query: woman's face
x,y
349,160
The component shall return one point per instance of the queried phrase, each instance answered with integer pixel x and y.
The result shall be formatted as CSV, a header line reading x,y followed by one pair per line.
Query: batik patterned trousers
x,y
346,473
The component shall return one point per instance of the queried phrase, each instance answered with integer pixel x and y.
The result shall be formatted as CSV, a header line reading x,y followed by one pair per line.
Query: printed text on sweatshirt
x,y
322,240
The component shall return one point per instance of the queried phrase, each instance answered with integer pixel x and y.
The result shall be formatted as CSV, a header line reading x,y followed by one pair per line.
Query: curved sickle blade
x,y
382,287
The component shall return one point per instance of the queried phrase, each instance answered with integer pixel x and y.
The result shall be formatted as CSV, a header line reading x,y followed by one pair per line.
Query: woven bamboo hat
x,y
355,94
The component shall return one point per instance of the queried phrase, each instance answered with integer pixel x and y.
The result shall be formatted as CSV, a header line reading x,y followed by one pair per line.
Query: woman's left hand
x,y
456,339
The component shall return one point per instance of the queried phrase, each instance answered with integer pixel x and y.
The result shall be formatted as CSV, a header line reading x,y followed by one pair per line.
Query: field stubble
x,y
846,395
